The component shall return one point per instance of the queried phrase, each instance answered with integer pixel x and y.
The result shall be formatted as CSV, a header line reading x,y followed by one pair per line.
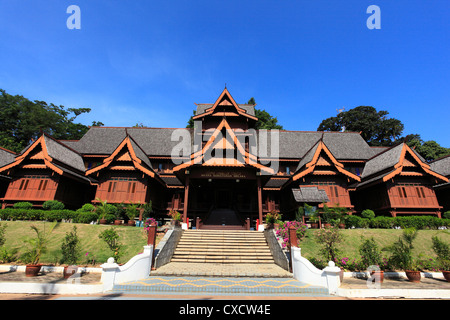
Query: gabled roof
x,y
216,141
313,159
6,156
50,150
391,162
54,156
225,99
441,166
127,150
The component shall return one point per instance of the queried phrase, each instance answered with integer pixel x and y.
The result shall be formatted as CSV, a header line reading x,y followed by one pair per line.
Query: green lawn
x,y
132,238
383,237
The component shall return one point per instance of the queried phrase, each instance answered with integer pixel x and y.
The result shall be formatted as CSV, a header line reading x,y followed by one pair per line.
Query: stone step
x,y
222,246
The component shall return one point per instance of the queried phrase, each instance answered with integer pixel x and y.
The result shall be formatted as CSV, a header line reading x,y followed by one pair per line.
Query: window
x,y
401,192
21,184
418,192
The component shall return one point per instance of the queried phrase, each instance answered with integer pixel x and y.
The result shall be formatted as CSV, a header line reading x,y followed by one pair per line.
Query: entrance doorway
x,y
223,198
223,202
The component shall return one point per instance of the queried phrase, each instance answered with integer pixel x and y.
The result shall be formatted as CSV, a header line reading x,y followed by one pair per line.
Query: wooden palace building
x,y
224,171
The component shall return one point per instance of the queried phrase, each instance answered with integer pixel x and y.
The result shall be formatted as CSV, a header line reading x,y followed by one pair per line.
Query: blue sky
x,y
148,62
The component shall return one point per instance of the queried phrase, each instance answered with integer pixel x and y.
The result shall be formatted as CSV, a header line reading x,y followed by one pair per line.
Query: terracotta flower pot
x,y
341,226
117,222
413,276
131,223
69,271
103,221
446,275
32,270
378,274
314,225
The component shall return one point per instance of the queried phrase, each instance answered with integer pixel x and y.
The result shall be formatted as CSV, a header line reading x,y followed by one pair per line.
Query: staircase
x,y
222,246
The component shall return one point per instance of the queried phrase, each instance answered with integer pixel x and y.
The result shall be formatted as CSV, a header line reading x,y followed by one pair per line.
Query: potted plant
x,y
118,213
314,220
71,252
442,251
38,246
102,210
176,217
273,219
402,257
371,258
132,211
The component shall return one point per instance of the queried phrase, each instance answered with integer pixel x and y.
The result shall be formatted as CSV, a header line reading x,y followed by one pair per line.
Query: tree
x,y
375,127
265,120
429,150
191,122
22,121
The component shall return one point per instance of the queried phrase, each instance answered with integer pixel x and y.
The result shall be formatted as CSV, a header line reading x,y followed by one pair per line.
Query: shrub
x,y
401,250
442,250
85,217
88,207
283,231
446,215
111,237
53,205
70,248
370,253
23,205
368,214
382,222
329,238
356,222
2,234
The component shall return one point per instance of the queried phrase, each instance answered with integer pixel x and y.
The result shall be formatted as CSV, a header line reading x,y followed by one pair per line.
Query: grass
x,y
383,237
132,238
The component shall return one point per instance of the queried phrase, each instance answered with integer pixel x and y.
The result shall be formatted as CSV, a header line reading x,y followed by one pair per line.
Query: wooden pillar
x,y
186,198
293,242
260,211
151,240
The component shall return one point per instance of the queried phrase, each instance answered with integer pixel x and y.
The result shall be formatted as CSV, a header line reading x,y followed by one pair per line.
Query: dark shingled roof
x,y
275,183
441,166
6,157
343,145
171,180
158,142
63,154
310,194
382,161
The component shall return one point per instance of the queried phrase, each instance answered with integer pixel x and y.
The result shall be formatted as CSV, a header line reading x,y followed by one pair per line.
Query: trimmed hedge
x,y
382,222
47,215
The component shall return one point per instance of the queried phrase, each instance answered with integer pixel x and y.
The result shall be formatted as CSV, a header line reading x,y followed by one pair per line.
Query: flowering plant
x,y
283,231
149,222
175,215
273,217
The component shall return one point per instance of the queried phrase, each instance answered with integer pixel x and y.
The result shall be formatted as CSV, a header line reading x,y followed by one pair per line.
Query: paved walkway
x,y
221,270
